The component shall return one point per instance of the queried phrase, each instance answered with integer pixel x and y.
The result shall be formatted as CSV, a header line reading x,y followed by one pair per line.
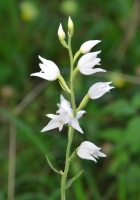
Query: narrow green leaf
x,y
73,179
51,165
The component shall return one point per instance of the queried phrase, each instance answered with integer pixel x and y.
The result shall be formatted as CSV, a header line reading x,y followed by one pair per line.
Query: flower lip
x,y
87,46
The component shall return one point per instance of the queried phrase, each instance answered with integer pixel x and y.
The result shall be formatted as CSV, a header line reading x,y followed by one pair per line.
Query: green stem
x,y
67,164
71,130
76,55
71,78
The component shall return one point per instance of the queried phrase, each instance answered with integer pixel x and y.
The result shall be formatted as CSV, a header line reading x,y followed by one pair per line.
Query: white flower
x,y
89,151
57,121
88,61
61,33
99,89
87,46
65,117
65,108
49,70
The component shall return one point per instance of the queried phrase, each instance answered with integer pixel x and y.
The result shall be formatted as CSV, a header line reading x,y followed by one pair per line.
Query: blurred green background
x,y
29,29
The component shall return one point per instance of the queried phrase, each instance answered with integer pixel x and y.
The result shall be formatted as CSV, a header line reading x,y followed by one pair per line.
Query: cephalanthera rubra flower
x,y
99,89
87,46
89,151
49,70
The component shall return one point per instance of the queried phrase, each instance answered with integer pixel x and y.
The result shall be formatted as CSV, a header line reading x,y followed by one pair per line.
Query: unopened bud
x,y
61,33
70,27
70,24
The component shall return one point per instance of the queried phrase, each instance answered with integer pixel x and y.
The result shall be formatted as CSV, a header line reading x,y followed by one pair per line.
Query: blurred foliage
x,y
29,29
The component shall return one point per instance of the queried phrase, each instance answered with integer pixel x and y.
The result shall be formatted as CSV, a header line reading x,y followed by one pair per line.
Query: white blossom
x,y
88,61
65,108
49,70
61,33
89,151
87,46
65,116
99,89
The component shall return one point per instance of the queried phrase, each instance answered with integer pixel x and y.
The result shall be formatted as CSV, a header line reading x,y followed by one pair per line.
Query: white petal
x,y
62,111
52,116
80,113
87,58
91,71
84,155
49,64
45,76
64,118
86,47
100,154
75,124
89,145
62,99
65,106
51,125
48,71
91,64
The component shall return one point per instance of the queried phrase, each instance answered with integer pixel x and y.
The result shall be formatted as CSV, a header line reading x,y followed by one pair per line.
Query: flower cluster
x,y
65,114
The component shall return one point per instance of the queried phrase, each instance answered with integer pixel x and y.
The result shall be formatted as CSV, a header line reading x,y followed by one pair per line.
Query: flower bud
x,y
70,24
61,33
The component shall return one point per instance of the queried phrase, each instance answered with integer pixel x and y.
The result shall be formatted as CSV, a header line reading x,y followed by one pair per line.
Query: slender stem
x,y
64,176
71,130
76,55
71,78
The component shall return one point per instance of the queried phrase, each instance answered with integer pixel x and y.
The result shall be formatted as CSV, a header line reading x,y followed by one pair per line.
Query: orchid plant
x,y
67,112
